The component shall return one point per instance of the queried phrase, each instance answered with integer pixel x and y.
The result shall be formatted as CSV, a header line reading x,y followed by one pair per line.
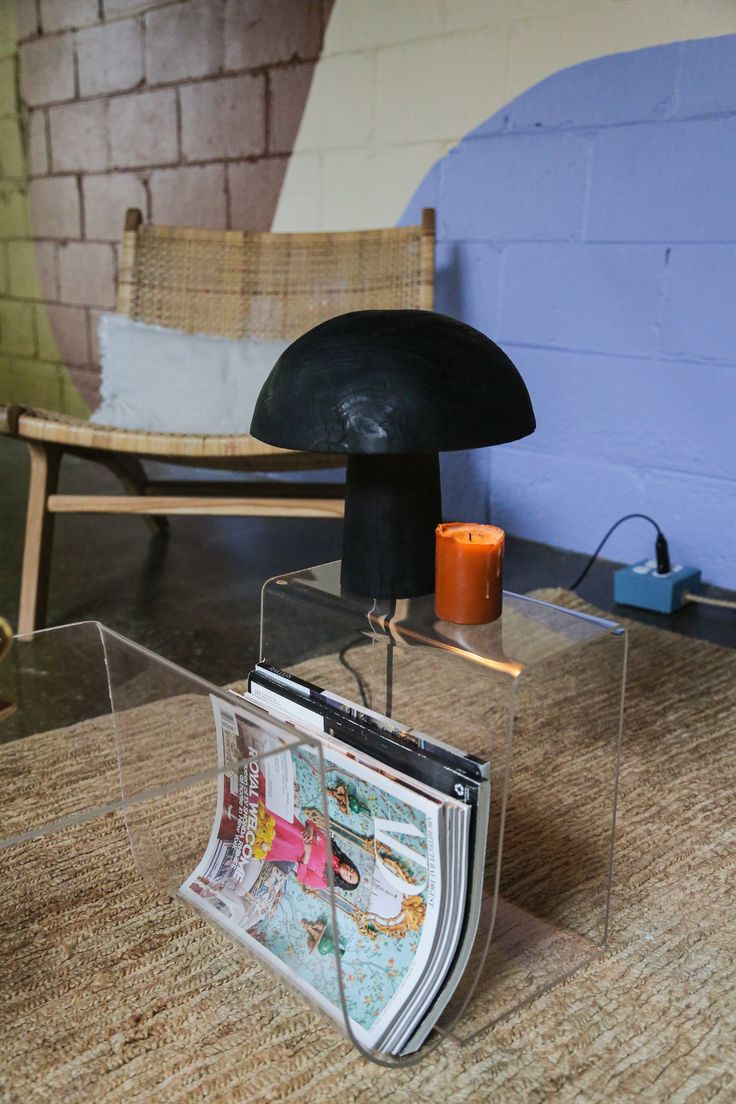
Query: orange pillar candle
x,y
468,573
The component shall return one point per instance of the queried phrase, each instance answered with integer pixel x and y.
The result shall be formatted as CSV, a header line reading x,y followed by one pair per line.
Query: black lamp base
x,y
393,504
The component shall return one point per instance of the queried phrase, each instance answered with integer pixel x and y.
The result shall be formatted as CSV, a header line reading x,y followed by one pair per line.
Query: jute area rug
x,y
111,993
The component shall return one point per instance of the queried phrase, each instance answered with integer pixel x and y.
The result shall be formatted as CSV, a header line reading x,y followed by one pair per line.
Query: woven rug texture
x,y
113,993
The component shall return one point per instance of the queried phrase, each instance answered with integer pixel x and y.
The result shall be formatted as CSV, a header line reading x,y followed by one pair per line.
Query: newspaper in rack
x,y
265,877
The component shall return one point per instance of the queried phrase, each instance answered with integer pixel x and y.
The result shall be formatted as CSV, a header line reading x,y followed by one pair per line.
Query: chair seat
x,y
238,451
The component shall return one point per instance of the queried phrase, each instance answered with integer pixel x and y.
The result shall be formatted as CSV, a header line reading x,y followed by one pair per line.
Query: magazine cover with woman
x,y
265,877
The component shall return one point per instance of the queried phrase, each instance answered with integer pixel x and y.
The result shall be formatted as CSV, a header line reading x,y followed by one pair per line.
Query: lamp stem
x,y
393,504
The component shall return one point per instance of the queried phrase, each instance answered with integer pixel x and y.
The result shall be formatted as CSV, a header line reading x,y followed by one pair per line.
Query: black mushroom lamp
x,y
392,389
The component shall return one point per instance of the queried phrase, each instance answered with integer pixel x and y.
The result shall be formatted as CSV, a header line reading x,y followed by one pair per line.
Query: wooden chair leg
x,y
132,475
45,461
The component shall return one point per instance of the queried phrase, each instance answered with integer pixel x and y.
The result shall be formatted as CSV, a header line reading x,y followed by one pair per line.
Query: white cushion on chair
x,y
154,378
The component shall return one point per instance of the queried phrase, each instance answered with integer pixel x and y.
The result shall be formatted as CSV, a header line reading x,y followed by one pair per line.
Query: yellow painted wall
x,y
31,370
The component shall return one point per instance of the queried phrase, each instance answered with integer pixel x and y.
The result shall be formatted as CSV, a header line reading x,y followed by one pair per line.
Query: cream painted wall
x,y
402,81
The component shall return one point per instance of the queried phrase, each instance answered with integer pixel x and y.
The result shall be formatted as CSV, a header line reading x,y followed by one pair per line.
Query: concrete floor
x,y
194,596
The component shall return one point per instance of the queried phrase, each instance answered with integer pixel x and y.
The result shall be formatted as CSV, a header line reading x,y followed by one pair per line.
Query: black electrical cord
x,y
359,680
661,549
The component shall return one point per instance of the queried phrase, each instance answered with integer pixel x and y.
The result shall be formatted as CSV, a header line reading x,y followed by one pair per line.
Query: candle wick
x,y
470,536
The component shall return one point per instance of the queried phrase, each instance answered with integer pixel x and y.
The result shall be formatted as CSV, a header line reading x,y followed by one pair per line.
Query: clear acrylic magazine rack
x,y
539,695
112,770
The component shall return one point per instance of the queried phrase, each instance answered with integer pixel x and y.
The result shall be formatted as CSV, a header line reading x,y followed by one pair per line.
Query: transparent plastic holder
x,y
131,740
538,695
137,768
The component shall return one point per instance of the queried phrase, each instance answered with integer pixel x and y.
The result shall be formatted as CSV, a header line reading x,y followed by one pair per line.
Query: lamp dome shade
x,y
392,381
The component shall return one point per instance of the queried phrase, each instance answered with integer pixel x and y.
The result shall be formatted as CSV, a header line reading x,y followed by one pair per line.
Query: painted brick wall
x,y
186,109
30,367
590,228
399,82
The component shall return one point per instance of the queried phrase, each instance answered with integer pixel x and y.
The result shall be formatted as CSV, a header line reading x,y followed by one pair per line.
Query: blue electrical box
x,y
641,586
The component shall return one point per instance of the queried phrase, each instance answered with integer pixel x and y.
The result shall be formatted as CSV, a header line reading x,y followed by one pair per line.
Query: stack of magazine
x,y
400,853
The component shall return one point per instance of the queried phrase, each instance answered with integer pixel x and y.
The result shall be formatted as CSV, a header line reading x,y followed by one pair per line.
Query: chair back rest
x,y
235,283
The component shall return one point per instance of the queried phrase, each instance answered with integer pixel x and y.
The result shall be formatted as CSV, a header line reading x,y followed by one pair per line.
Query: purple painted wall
x,y
590,228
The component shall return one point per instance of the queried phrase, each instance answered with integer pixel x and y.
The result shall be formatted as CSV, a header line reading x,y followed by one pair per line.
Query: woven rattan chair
x,y
231,283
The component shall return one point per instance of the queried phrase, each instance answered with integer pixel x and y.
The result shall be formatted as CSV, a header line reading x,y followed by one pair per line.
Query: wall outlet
x,y
641,586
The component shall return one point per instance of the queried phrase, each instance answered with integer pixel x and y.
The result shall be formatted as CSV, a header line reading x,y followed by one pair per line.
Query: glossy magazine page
x,y
264,877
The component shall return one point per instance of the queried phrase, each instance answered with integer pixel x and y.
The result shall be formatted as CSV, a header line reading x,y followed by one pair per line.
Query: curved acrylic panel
x,y
535,696
127,777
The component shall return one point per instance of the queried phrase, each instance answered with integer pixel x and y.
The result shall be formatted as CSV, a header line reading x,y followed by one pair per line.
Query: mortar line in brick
x,y
267,111
20,106
228,198
34,333
280,63
663,285
81,306
256,71
80,194
500,292
570,128
55,271
47,138
245,159
179,140
655,358
496,246
103,19
146,182
145,9
56,302
146,166
633,243
75,306
221,30
678,82
142,167
528,448
86,368
75,67
144,66
107,135
371,136
643,243
589,160
50,103
249,71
